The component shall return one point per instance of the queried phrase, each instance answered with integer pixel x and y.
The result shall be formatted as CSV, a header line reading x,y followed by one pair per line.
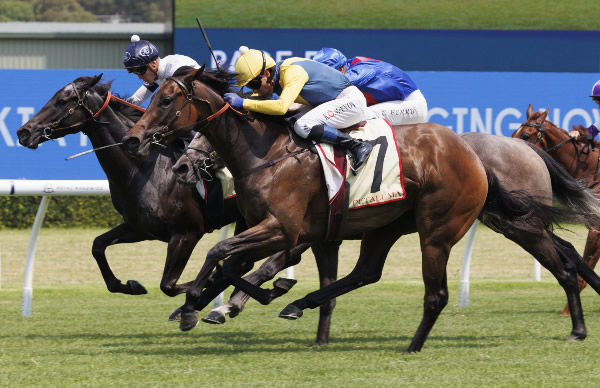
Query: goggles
x,y
140,70
256,83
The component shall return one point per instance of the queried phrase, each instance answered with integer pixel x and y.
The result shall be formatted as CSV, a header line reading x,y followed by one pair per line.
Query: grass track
x,y
80,335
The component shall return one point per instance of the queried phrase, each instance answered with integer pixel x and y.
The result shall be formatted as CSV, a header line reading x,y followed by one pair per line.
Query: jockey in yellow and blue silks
x,y
335,103
390,92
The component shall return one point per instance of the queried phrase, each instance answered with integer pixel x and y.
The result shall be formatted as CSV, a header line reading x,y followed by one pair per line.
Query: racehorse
x,y
581,161
499,155
280,191
153,205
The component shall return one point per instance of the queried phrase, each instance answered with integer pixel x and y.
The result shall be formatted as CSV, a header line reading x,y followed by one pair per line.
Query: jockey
x,y
335,103
592,129
390,92
141,58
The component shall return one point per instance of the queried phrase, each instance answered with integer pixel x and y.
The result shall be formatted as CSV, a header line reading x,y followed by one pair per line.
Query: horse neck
x,y
244,147
566,154
115,162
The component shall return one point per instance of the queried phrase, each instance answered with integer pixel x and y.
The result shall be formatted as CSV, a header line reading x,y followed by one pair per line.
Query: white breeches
x,y
348,108
412,110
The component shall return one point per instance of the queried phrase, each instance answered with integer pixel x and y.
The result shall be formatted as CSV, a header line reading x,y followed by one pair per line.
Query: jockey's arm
x,y
292,82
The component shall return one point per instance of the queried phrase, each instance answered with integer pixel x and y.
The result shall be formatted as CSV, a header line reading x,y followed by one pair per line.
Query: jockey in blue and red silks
x,y
390,92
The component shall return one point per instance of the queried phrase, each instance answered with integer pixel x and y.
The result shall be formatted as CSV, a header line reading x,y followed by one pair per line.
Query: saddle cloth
x,y
222,175
379,180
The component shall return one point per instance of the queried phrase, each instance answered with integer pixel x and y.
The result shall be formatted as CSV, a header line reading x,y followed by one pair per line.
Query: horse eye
x,y
61,101
166,101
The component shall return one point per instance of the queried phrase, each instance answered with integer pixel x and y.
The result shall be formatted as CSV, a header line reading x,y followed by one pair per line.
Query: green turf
x,y
392,14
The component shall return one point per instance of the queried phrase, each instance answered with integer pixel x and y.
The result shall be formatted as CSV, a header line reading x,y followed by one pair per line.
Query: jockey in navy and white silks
x,y
141,58
335,103
390,92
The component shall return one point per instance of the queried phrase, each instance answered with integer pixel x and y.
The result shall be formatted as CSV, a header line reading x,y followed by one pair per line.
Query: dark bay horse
x,y
504,157
581,161
280,191
153,205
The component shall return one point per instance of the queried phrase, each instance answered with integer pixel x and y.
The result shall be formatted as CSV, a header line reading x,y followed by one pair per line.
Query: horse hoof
x,y
175,315
135,288
214,317
188,321
577,337
284,284
290,312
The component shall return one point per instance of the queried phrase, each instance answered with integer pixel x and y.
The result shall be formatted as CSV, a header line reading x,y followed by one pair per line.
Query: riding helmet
x,y
331,57
139,53
250,64
596,89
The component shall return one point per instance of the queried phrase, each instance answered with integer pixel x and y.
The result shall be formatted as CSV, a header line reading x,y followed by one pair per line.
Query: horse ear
x,y
545,114
529,111
199,72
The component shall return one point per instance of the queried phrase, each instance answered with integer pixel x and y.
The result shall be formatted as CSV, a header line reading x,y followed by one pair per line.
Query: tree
x,y
15,11
61,11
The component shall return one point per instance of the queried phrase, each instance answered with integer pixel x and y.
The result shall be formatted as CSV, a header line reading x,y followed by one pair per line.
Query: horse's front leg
x,y
179,251
118,235
267,271
257,242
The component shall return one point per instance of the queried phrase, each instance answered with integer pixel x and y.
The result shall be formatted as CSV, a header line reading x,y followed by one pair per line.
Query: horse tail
x,y
571,192
569,256
509,212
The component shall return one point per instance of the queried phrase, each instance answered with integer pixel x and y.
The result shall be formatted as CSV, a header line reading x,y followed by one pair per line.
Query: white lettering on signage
x,y
3,129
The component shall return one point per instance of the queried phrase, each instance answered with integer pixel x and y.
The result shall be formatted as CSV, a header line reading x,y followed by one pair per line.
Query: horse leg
x,y
591,253
326,255
374,248
267,271
118,235
257,242
179,250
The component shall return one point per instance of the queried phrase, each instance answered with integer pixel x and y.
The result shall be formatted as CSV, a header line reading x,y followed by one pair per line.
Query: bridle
x,y
160,135
540,137
202,167
81,103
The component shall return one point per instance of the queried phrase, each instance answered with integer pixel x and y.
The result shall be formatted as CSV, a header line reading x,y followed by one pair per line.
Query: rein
x,y
540,135
159,136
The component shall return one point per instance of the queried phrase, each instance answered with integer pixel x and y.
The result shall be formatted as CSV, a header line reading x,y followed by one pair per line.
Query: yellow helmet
x,y
250,64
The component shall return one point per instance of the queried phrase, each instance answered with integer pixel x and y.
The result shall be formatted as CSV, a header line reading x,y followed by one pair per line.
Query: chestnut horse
x,y
499,156
581,161
281,194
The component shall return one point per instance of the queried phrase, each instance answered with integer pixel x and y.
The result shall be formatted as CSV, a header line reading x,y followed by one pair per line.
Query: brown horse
x,y
499,156
280,191
581,161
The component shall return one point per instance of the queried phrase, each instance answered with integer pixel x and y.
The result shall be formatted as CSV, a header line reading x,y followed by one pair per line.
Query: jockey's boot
x,y
359,149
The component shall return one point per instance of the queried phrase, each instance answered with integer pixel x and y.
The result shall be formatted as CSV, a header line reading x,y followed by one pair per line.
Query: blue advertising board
x,y
489,102
414,50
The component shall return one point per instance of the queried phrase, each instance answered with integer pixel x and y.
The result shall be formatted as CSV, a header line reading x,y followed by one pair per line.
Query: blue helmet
x,y
331,57
139,53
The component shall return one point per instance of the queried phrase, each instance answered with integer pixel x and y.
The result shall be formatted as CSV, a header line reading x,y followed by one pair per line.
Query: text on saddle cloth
x,y
379,180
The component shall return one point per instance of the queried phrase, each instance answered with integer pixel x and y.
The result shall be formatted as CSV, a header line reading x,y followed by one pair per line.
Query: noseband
x,y
202,168
159,136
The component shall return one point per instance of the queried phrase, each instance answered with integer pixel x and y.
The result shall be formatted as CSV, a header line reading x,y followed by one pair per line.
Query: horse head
x,y
198,162
188,100
532,129
65,113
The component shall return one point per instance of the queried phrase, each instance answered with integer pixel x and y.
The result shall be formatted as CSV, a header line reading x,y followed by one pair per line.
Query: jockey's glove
x,y
234,100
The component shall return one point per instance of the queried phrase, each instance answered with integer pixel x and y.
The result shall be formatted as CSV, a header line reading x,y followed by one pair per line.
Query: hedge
x,y
63,211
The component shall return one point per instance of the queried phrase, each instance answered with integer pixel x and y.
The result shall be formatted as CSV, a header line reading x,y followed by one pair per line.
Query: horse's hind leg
x,y
374,248
118,235
560,258
591,253
326,255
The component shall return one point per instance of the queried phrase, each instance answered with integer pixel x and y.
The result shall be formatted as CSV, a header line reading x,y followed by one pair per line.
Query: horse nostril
x,y
182,169
23,135
132,144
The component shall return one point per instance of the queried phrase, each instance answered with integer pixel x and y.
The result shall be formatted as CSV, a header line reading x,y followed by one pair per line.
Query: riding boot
x,y
359,150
